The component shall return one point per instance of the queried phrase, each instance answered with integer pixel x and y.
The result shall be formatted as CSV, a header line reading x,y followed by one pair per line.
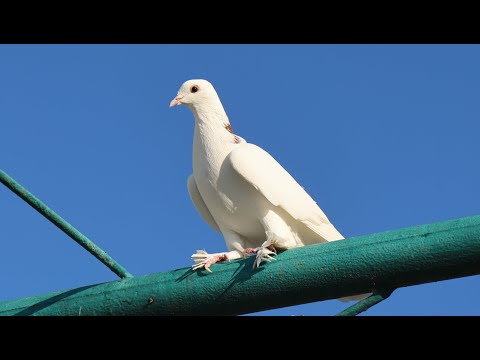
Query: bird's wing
x,y
267,176
200,204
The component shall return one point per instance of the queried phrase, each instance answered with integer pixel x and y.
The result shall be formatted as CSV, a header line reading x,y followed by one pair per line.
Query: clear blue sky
x,y
381,136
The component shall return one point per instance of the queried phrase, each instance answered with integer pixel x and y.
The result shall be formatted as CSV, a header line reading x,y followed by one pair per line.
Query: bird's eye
x,y
194,89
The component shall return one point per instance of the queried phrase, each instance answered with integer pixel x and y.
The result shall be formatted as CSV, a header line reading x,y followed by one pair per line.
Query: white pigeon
x,y
241,191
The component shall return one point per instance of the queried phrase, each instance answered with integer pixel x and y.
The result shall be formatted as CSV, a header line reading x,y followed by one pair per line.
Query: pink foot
x,y
205,260
256,250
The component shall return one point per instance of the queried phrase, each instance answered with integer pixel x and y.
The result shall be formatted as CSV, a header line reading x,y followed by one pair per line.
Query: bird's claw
x,y
200,255
264,253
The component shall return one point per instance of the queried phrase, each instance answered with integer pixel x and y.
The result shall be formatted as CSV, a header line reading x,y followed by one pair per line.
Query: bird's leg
x,y
204,260
279,237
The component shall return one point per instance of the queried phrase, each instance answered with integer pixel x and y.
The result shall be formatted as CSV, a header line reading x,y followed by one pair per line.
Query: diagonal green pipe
x,y
365,304
386,260
63,225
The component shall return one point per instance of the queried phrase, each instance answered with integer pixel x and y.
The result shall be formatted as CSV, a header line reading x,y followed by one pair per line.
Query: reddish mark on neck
x,y
236,139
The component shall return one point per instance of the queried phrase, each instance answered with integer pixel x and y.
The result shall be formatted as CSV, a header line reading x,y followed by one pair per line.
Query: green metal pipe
x,y
365,304
63,225
386,260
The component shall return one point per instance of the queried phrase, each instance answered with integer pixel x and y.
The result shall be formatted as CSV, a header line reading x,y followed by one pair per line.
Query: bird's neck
x,y
213,140
212,127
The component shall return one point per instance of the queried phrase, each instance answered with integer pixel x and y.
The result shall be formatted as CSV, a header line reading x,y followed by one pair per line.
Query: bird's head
x,y
195,93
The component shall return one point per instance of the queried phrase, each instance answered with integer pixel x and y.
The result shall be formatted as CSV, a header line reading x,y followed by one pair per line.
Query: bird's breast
x,y
229,198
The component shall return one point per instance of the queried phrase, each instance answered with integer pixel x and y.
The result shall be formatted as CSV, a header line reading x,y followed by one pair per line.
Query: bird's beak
x,y
176,101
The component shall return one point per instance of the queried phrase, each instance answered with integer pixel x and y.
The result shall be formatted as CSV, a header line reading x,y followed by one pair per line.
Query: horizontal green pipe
x,y
386,260
63,225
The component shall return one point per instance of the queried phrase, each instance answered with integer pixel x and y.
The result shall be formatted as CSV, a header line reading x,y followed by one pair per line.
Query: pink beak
x,y
176,101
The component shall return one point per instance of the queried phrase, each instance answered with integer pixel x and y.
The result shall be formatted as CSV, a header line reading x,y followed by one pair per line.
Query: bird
x,y
241,191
